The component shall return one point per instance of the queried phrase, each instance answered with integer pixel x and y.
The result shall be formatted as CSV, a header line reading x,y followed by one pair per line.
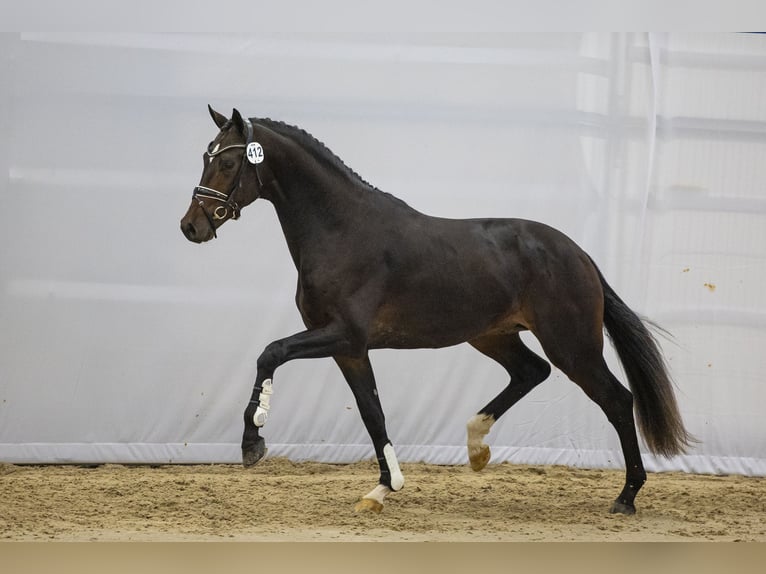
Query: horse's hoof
x,y
368,504
622,508
480,459
253,453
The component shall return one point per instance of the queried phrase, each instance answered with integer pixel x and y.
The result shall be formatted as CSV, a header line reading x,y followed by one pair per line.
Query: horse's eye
x,y
227,164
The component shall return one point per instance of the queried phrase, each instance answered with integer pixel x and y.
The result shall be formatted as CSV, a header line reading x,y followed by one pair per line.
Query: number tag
x,y
254,152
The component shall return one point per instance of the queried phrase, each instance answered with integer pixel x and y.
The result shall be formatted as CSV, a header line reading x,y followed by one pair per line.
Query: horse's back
x,y
451,280
516,252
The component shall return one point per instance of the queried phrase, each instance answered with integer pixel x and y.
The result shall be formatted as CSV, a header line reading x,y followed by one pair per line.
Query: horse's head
x,y
230,178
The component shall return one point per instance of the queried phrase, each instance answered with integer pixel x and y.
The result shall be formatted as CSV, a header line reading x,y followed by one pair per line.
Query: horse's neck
x,y
314,207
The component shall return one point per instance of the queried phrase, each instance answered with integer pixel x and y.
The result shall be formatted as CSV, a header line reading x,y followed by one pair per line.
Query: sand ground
x,y
279,500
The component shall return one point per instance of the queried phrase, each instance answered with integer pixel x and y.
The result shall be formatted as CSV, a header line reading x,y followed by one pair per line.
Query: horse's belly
x,y
401,328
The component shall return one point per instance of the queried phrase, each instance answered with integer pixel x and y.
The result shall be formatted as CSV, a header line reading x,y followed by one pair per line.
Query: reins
x,y
227,199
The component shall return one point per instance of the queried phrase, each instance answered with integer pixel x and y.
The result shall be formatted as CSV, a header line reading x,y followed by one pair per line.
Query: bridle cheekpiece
x,y
253,154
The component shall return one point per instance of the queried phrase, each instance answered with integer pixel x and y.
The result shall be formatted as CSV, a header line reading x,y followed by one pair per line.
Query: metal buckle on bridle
x,y
222,211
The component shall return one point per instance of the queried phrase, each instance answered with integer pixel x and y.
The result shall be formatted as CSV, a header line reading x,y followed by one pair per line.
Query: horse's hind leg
x,y
360,377
526,369
581,359
617,403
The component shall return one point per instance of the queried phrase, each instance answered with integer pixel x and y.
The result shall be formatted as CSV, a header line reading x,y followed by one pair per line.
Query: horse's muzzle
x,y
194,232
197,225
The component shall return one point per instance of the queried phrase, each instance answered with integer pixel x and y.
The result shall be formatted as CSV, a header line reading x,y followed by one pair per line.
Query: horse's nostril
x,y
189,230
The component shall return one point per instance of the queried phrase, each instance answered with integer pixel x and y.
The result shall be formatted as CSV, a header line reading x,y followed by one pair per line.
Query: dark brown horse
x,y
374,273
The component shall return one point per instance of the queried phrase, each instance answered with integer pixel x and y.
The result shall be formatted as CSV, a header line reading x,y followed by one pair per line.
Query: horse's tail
x,y
656,409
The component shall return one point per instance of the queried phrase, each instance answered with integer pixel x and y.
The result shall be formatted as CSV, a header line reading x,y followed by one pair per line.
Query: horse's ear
x,y
219,119
236,119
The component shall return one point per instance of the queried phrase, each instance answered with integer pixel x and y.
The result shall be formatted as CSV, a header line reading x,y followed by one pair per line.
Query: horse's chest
x,y
314,299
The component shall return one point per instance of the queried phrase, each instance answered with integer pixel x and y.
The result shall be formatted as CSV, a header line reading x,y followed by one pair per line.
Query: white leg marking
x,y
478,427
378,493
397,478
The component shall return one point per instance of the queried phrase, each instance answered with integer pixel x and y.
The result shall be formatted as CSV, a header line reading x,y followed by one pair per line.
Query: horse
x,y
375,273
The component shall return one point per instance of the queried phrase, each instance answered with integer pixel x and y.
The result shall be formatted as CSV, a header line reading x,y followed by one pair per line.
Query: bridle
x,y
227,199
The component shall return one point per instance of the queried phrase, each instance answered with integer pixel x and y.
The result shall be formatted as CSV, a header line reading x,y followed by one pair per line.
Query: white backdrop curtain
x,y
122,342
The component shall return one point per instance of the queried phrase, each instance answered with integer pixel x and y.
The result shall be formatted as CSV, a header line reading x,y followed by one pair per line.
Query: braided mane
x,y
313,145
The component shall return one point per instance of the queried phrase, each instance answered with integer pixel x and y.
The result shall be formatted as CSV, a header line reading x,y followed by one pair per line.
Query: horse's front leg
x,y
312,344
256,413
359,375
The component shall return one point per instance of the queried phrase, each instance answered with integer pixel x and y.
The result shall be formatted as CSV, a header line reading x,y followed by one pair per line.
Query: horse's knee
x,y
271,357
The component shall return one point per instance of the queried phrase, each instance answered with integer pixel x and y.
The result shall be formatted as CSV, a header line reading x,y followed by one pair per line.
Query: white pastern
x,y
397,478
262,411
478,427
378,493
